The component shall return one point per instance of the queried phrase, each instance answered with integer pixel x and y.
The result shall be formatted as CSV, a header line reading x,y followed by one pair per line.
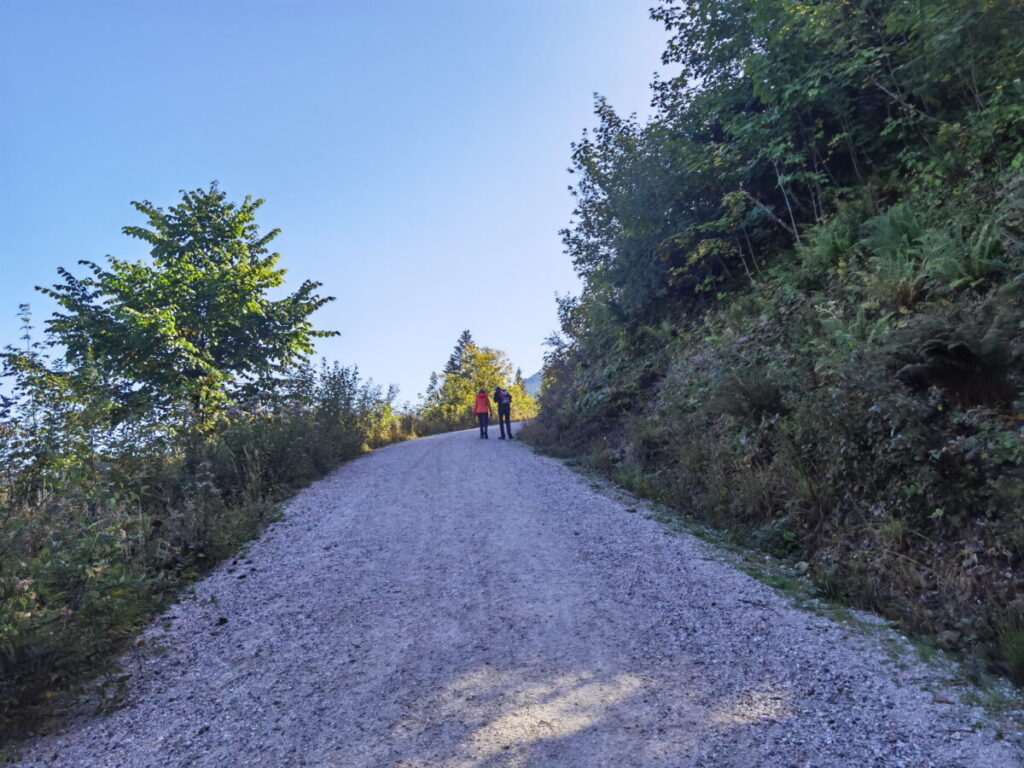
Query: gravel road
x,y
459,603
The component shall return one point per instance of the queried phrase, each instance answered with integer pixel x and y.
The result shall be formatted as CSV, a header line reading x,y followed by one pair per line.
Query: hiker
x,y
504,401
482,409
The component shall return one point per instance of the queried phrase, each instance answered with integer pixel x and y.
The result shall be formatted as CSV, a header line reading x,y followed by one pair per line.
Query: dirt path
x,y
459,603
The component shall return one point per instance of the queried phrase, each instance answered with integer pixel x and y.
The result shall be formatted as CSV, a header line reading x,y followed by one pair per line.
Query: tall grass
x,y
101,525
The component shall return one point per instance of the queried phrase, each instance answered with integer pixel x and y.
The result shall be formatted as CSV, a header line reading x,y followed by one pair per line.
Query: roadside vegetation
x,y
802,315
150,429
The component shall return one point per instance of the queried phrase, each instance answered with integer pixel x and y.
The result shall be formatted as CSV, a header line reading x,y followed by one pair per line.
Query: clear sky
x,y
413,153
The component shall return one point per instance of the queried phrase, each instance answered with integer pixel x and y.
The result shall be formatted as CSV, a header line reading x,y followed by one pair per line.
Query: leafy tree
x,y
781,111
179,333
449,398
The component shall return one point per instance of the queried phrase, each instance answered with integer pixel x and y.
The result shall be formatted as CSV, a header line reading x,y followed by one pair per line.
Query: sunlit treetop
x,y
194,322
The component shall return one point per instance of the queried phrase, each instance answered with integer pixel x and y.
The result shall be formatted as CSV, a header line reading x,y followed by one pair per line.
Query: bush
x,y
813,440
92,542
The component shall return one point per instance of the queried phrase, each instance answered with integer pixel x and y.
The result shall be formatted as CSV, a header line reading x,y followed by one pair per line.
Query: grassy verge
x,y
961,670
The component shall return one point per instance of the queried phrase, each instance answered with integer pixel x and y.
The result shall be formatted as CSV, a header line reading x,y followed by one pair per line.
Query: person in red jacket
x,y
482,409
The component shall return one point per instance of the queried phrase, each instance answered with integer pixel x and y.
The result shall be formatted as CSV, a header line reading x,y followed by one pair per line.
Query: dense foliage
x,y
802,310
151,430
194,322
448,402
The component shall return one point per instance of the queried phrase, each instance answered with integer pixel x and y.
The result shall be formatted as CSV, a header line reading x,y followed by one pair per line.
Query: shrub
x,y
91,543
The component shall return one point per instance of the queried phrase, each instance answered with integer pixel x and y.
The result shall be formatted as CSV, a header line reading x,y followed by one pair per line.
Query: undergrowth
x,y
92,543
862,411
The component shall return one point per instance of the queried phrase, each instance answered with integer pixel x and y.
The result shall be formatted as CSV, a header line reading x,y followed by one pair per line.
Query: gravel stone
x,y
458,603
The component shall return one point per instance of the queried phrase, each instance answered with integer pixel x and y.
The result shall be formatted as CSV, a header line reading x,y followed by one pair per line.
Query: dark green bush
x,y
93,540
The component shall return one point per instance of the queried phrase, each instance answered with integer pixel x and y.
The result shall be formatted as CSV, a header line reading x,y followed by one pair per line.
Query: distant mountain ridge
x,y
532,384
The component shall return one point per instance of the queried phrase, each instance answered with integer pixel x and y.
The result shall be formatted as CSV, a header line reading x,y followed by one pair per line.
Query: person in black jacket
x,y
504,401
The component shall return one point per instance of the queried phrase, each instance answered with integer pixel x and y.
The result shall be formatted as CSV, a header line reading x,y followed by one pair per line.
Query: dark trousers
x,y
505,420
483,424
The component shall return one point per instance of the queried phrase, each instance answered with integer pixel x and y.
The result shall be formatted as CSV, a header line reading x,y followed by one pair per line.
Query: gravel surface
x,y
459,603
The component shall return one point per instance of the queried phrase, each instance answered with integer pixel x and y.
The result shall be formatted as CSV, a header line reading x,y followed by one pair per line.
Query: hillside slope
x,y
803,307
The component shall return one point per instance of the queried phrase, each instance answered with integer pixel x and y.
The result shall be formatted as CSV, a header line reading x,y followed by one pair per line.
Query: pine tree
x,y
457,362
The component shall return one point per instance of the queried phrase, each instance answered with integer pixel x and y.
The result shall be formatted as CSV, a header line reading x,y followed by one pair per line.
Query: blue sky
x,y
413,153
